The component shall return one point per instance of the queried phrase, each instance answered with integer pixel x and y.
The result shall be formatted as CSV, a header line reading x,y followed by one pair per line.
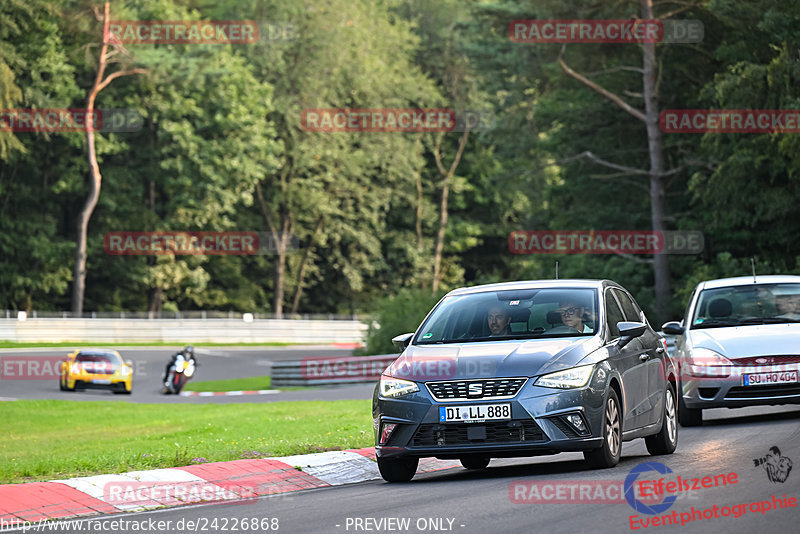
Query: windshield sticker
x,y
426,336
514,303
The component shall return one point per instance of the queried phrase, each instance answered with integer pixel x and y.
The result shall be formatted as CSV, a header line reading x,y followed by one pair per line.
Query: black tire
x,y
608,455
688,416
666,440
398,470
475,462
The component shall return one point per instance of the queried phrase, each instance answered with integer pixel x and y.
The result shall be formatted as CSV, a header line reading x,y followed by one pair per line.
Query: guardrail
x,y
328,371
182,330
186,314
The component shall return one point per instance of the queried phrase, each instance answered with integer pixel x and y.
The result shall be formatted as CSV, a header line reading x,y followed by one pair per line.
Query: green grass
x,y
251,383
15,345
53,439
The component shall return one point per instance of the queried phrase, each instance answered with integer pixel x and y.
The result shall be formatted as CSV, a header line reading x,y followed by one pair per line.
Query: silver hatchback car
x,y
738,345
523,369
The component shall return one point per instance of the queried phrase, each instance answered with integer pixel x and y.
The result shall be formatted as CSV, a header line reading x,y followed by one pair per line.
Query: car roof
x,y
97,352
535,284
748,280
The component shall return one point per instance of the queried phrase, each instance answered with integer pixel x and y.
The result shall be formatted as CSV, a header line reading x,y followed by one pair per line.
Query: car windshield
x,y
746,305
97,358
511,314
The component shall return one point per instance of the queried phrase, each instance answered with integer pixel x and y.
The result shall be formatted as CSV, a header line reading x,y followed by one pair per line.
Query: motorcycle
x,y
180,372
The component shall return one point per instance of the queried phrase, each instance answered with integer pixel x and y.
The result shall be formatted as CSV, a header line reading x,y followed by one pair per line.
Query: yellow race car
x,y
96,369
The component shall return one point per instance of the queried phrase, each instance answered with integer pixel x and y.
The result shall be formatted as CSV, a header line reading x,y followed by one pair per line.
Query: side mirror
x,y
129,363
402,341
628,331
673,328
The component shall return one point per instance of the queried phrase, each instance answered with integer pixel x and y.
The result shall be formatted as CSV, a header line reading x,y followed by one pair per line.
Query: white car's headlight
x,y
577,377
708,363
394,387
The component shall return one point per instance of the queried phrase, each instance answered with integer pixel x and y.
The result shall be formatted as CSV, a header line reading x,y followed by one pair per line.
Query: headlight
x,y
394,387
577,377
708,363
124,370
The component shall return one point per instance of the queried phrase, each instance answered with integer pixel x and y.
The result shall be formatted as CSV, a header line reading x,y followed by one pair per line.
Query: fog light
x,y
387,430
577,423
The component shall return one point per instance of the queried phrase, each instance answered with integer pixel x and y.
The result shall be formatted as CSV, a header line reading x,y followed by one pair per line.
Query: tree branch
x,y
114,75
605,92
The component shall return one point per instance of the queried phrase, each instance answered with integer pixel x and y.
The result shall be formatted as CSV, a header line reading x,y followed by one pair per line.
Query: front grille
x,y
771,360
436,435
741,392
493,388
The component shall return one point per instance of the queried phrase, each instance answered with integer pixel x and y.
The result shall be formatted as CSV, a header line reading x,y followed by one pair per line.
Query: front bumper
x,y
536,426
98,382
710,392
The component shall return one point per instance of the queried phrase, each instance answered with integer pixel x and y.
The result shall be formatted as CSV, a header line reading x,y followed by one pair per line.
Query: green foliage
x,y
220,120
395,315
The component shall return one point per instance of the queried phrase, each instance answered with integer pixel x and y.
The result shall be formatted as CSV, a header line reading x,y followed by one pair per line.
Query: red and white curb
x,y
236,482
228,393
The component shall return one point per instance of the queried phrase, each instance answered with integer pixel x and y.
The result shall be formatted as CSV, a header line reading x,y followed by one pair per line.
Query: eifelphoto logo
x,y
70,120
194,243
730,121
604,242
183,32
628,31
777,466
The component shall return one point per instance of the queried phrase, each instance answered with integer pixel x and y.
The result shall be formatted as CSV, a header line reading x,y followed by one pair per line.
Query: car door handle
x,y
644,357
660,350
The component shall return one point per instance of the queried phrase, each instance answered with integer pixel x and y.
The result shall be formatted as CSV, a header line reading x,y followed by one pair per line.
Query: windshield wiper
x,y
714,323
510,338
768,320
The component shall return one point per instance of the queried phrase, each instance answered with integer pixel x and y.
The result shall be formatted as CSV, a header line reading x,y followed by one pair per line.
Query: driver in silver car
x,y
499,321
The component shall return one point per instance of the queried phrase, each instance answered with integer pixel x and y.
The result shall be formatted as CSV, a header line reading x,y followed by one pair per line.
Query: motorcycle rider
x,y
187,353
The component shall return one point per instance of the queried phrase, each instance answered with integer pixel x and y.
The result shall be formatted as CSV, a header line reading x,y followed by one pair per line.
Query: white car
x,y
738,345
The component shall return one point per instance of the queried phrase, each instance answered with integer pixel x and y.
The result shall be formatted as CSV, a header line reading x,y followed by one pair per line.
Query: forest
x,y
227,137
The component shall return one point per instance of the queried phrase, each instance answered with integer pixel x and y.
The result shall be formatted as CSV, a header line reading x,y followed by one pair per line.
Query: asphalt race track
x,y
216,363
479,502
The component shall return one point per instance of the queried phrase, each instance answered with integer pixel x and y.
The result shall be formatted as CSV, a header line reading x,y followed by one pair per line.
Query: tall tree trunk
x,y
420,200
281,237
447,175
301,272
95,179
656,172
655,147
155,294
